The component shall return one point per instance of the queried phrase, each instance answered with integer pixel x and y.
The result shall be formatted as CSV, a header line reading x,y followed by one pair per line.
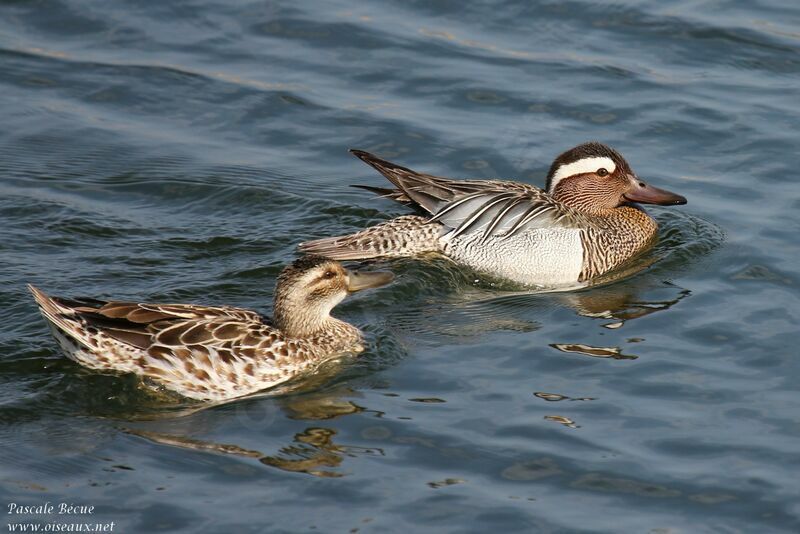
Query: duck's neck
x,y
297,317
302,321
584,205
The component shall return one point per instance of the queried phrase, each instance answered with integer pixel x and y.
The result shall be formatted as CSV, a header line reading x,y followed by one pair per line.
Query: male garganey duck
x,y
215,353
585,224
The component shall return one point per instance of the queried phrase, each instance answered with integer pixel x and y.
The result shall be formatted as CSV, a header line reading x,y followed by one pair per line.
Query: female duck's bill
x,y
357,281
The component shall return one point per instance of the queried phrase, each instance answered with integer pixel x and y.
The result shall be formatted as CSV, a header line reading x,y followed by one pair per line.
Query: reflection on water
x,y
313,450
621,305
320,406
555,397
473,312
594,352
566,421
598,482
317,445
446,482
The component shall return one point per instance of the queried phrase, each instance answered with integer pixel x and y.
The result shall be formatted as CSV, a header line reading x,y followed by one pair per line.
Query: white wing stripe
x,y
499,217
529,215
455,204
463,227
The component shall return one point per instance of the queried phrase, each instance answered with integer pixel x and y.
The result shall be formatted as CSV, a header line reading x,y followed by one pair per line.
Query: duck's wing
x,y
503,213
143,325
423,191
163,335
495,207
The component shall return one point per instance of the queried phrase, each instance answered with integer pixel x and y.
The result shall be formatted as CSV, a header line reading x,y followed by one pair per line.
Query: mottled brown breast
x,y
613,239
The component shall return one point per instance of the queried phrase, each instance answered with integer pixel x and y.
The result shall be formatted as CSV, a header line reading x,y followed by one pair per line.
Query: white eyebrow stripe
x,y
582,166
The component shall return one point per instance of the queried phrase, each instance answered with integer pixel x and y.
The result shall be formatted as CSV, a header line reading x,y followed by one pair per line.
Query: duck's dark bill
x,y
647,194
359,281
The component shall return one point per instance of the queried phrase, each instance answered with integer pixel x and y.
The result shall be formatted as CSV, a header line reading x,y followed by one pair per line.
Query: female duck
x,y
584,225
215,353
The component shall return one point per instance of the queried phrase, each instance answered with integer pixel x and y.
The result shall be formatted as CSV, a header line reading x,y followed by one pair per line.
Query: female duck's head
x,y
309,288
593,177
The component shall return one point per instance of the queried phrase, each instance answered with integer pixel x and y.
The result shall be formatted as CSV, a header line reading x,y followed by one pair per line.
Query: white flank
x,y
582,166
547,257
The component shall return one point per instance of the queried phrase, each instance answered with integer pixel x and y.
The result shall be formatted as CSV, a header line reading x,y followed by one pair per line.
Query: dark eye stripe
x,y
324,277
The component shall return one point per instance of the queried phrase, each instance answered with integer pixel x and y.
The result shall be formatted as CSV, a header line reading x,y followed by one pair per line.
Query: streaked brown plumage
x,y
215,353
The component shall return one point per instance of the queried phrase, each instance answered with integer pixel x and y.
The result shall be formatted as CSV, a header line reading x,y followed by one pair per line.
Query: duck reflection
x,y
623,304
475,312
595,352
312,451
315,448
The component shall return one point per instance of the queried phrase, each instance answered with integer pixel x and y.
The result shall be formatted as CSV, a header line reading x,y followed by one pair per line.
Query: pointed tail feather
x,y
44,302
95,347
385,192
390,170
424,191
62,318
401,237
52,311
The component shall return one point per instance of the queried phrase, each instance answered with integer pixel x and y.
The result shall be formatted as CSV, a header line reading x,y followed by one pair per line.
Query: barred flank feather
x,y
404,236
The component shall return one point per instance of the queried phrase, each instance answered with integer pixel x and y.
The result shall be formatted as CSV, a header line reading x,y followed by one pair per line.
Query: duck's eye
x,y
329,274
602,172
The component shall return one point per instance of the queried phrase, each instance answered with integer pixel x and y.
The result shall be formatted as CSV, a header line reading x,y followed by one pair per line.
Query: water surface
x,y
179,152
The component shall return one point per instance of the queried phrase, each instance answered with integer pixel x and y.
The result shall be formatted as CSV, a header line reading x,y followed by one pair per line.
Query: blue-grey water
x,y
178,151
